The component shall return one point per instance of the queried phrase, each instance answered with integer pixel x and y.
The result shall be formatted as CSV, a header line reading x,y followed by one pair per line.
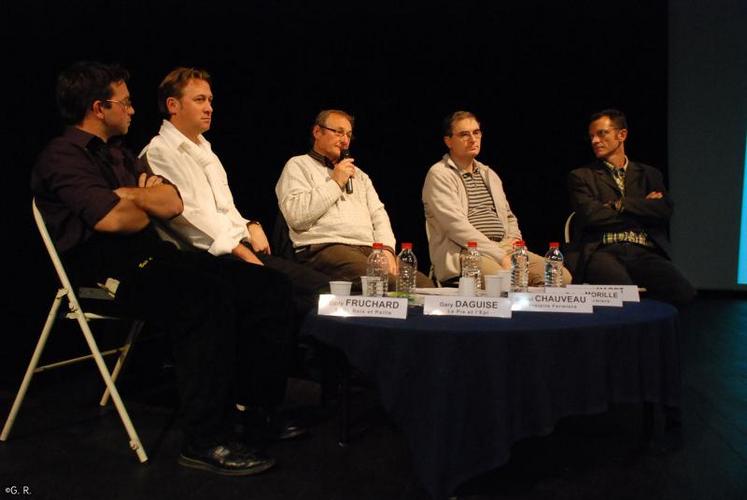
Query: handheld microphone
x,y
345,153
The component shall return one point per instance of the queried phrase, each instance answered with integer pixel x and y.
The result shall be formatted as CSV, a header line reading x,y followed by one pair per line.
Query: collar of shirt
x,y
450,163
321,159
614,168
111,156
90,141
80,137
175,138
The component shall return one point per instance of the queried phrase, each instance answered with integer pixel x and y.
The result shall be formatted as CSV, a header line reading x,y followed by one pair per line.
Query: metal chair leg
x,y
135,443
137,326
33,363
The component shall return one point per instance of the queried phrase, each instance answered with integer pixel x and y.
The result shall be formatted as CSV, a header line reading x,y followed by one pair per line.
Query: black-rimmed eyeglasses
x,y
338,132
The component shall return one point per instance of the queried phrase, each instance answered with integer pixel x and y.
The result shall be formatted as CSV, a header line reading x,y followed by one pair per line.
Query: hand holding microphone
x,y
345,171
345,153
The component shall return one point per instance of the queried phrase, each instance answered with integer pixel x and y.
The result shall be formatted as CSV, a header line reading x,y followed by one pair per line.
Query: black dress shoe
x,y
258,426
232,459
280,428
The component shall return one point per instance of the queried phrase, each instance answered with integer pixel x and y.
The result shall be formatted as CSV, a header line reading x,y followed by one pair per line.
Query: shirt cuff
x,y
224,243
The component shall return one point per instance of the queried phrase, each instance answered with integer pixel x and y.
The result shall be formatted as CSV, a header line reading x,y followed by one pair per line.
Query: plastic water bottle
x,y
519,267
378,272
407,264
554,266
469,259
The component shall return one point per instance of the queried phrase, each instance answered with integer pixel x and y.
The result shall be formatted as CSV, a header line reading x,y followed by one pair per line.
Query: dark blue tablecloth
x,y
463,390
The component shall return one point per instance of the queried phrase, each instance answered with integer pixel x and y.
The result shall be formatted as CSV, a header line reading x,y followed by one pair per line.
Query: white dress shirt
x,y
210,220
318,211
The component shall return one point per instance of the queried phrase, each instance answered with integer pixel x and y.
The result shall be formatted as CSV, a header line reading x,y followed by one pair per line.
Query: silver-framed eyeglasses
x,y
465,135
125,103
338,132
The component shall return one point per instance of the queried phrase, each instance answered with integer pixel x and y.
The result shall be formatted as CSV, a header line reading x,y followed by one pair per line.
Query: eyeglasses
x,y
338,132
125,103
466,134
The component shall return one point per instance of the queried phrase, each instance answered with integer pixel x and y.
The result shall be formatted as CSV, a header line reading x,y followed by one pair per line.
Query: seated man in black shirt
x,y
227,321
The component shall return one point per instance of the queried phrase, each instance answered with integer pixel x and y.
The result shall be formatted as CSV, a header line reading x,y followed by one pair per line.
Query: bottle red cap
x,y
554,244
406,246
378,246
519,243
472,244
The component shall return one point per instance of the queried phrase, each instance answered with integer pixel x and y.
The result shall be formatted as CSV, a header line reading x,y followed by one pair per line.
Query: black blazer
x,y
591,186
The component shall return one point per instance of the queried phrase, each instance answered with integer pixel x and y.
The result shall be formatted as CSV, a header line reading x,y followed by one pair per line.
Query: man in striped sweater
x,y
464,201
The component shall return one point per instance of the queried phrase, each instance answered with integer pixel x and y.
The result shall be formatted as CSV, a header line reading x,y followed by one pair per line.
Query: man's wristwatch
x,y
252,221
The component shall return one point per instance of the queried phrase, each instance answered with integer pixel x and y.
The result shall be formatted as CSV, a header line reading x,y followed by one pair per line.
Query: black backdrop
x,y
532,71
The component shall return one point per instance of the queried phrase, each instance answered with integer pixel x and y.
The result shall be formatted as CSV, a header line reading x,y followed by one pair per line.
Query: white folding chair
x,y
66,292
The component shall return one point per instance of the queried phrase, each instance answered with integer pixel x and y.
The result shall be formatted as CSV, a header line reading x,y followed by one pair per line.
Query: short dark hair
x,y
173,86
83,83
616,116
448,122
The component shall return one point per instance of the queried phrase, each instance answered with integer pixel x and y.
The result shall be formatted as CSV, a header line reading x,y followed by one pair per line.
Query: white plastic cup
x,y
467,286
340,287
505,276
493,285
367,285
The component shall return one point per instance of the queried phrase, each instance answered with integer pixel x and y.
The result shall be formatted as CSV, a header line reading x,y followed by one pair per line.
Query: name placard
x,y
629,292
545,302
604,298
487,307
375,307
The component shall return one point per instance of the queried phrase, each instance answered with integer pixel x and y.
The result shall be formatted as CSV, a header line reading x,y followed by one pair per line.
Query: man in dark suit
x,y
622,218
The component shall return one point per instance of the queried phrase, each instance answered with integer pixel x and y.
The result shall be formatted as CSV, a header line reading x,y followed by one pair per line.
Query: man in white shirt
x,y
210,220
332,226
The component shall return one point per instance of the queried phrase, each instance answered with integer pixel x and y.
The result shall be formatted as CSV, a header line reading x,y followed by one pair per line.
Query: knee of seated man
x,y
206,299
275,286
681,292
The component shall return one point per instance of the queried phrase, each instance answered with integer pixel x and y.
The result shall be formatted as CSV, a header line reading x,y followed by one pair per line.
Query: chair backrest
x,y
53,255
432,270
281,244
567,230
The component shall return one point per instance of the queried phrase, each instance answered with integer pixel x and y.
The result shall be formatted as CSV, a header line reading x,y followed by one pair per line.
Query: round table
x,y
464,389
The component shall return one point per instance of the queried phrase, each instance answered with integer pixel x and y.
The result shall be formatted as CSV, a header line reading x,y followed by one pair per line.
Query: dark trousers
x,y
630,264
229,325
307,282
